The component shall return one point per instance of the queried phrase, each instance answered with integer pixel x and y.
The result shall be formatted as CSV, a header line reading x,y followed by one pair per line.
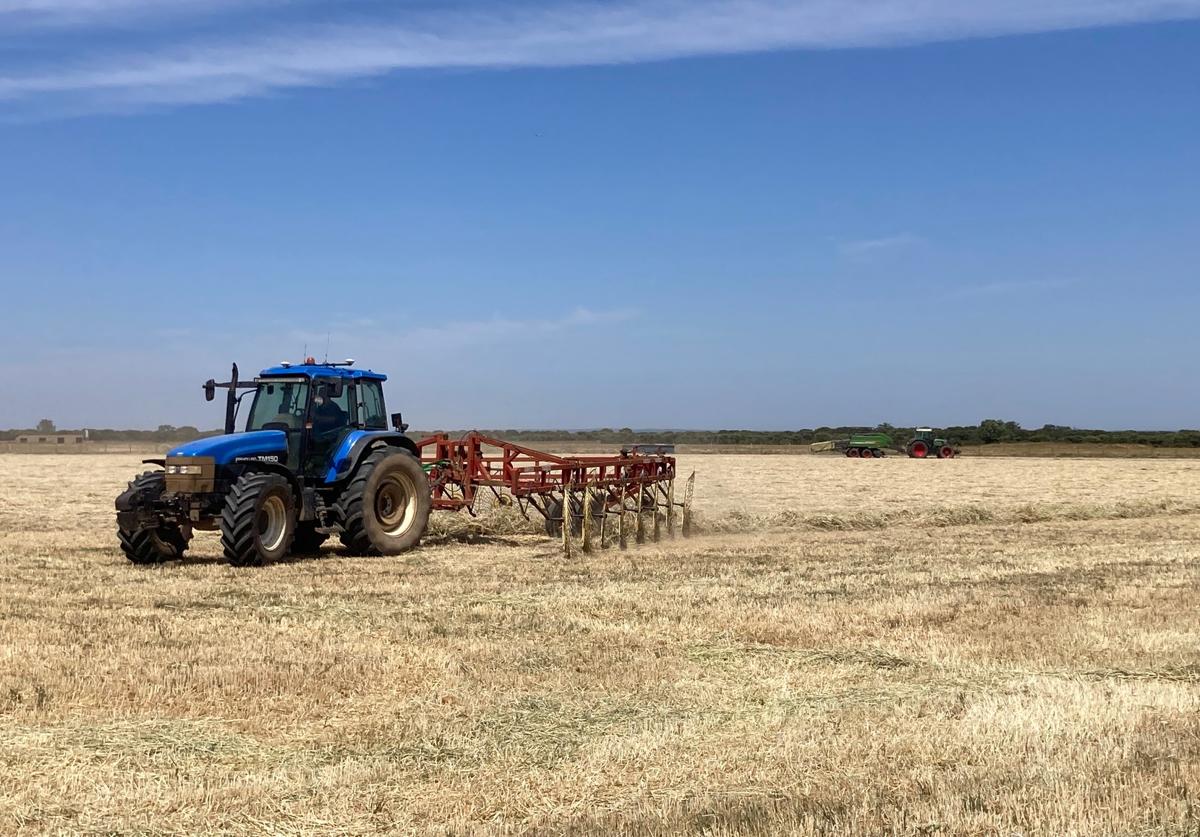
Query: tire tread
x,y
239,516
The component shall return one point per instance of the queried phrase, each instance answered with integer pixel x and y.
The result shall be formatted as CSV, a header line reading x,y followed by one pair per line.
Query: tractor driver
x,y
328,417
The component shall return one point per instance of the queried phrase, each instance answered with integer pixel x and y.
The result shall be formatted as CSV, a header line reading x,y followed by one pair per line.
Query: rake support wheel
x,y
554,517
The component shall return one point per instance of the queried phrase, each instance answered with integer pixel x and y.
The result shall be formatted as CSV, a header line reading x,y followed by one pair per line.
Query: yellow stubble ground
x,y
971,647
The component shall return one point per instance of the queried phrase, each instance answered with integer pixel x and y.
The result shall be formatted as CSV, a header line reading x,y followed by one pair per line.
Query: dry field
x,y
983,646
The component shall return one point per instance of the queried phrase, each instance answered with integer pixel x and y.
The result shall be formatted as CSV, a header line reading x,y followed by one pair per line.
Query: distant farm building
x,y
57,438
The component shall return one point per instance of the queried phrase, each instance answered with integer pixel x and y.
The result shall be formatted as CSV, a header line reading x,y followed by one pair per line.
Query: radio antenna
x,y
328,335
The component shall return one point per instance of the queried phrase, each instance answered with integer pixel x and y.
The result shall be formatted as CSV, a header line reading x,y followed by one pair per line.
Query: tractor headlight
x,y
191,475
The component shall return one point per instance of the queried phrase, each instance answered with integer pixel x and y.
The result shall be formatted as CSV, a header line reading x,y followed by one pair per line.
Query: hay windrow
x,y
508,521
941,517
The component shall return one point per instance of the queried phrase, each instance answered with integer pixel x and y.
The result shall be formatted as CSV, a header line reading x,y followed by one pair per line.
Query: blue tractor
x,y
317,458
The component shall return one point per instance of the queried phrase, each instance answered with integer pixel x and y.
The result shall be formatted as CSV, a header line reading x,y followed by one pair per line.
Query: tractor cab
x,y
319,407
304,417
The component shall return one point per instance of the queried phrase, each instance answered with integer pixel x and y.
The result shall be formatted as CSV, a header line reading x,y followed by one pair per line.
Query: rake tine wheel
x,y
687,504
641,514
603,515
671,509
621,541
566,521
587,519
654,490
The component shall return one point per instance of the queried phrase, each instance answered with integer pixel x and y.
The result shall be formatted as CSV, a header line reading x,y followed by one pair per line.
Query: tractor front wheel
x,y
258,523
946,452
385,508
152,544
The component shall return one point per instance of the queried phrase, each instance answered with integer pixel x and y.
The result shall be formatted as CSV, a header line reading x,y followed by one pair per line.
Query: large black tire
x,y
259,520
308,540
385,508
554,514
553,525
153,545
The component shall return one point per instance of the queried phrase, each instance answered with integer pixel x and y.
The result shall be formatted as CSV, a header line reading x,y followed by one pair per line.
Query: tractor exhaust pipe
x,y
231,400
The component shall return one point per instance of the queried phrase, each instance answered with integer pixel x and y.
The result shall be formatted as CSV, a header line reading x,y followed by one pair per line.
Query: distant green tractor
x,y
874,446
925,445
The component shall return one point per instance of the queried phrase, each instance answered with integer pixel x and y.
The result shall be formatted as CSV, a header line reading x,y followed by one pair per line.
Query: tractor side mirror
x,y
210,389
398,422
336,389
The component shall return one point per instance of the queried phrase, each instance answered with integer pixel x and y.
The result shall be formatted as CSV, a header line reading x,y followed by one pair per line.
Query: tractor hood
x,y
262,445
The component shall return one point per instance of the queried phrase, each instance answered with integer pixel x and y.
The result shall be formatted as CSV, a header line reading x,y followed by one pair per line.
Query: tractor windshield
x,y
279,404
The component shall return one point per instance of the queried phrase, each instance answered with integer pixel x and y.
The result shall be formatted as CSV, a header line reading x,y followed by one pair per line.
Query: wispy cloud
x,y
67,13
1018,286
865,246
455,334
468,34
500,329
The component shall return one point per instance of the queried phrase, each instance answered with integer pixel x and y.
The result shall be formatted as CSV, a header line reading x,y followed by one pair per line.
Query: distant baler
x,y
924,445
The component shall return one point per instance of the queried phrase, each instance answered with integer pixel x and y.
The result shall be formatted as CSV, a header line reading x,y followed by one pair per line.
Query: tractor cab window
x,y
332,408
371,413
279,405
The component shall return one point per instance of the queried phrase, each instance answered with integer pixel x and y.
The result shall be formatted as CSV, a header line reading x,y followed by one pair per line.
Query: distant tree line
x,y
987,432
164,433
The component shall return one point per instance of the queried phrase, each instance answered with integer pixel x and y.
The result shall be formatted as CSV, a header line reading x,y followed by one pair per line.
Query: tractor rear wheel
x,y
154,544
308,540
385,508
258,523
918,450
946,452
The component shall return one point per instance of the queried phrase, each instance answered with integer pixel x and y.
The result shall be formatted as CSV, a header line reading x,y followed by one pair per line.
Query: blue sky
x,y
647,213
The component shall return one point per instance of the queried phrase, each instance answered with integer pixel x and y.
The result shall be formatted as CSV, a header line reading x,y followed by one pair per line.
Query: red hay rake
x,y
575,494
